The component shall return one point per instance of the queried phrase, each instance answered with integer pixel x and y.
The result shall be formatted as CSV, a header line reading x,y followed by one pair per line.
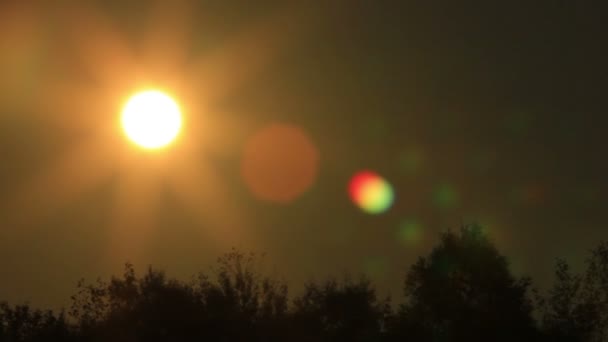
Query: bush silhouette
x,y
462,291
339,311
576,307
21,323
236,304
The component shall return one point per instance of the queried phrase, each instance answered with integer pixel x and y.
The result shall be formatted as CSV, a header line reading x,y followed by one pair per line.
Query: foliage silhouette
x,y
241,302
462,291
21,323
150,308
339,311
237,304
576,307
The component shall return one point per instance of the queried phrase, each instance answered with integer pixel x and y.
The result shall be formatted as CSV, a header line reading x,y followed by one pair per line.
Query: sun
x,y
151,119
137,85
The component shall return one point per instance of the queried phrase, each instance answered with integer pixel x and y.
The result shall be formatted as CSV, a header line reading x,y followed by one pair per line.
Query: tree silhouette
x,y
23,324
464,291
238,304
150,308
339,311
576,307
241,302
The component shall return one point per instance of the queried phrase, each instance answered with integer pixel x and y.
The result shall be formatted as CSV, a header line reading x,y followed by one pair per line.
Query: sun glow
x,y
110,67
151,119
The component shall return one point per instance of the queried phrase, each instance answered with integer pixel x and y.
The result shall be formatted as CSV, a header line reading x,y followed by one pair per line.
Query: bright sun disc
x,y
151,119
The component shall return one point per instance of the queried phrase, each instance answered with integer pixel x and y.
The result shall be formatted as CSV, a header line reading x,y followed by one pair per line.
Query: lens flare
x,y
410,231
445,196
372,193
280,163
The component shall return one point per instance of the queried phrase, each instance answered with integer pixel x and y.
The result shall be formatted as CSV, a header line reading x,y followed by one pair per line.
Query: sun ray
x,y
245,55
165,45
21,44
133,215
203,194
115,68
99,47
80,170
76,106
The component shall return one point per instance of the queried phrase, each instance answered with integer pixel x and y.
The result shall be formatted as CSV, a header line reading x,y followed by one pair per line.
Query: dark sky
x,y
490,113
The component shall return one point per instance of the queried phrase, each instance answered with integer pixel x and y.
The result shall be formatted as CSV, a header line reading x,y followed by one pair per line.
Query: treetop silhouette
x,y
462,290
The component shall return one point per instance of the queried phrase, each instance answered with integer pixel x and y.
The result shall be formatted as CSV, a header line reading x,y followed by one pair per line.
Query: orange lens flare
x,y
279,163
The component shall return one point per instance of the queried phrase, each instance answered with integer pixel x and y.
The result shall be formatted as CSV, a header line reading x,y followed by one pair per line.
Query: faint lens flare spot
x,y
279,163
410,231
372,193
445,196
151,119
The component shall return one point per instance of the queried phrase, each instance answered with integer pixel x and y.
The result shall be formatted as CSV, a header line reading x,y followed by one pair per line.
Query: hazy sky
x,y
491,114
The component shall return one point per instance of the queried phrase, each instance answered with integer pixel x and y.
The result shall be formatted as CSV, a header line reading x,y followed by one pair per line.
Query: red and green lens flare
x,y
372,193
